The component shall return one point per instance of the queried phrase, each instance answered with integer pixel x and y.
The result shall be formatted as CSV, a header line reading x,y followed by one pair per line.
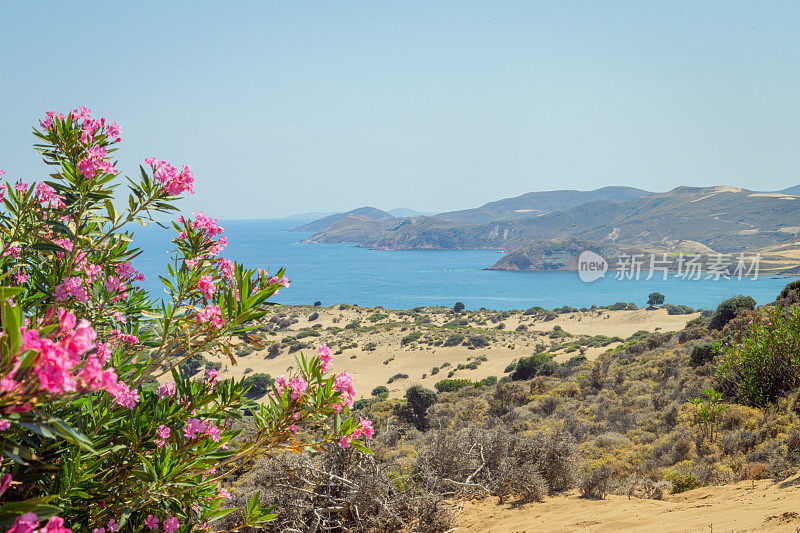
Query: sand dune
x,y
744,506
387,357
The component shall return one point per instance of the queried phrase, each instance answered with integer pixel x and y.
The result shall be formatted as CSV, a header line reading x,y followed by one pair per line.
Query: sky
x,y
292,107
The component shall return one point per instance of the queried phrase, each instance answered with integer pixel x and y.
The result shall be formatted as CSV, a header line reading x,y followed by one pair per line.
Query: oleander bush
x,y
102,428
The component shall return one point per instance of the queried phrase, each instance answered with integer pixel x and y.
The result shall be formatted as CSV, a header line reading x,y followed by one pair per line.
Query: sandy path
x,y
744,506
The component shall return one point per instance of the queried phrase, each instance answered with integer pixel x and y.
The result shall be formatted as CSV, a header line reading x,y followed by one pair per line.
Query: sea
x,y
343,273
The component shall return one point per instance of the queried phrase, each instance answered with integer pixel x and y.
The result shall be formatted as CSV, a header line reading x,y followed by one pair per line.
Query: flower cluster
x,y
173,181
57,358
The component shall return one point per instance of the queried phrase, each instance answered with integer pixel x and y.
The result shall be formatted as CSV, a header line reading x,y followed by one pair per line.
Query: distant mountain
x,y
406,212
791,190
534,204
725,219
323,223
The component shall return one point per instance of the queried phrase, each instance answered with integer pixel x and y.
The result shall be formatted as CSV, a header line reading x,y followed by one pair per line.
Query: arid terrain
x,y
534,420
374,351
745,506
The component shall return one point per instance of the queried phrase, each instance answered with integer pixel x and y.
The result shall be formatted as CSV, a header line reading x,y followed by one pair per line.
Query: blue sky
x,y
286,107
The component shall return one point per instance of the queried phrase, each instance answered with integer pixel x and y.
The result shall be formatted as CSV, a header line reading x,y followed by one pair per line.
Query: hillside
x,y
325,222
536,420
534,204
724,219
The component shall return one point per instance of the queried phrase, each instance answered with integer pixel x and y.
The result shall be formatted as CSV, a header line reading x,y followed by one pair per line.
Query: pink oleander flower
x,y
114,284
113,526
163,432
20,277
344,442
166,390
226,267
365,424
212,314
212,375
324,356
151,522
171,524
55,525
343,384
220,245
280,384
21,186
194,428
4,425
212,431
113,131
71,287
103,352
93,271
5,482
207,224
206,286
224,494
174,182
298,387
25,523
125,396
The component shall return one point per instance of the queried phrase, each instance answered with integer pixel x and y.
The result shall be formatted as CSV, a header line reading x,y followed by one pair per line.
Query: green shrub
x,y
260,384
375,317
418,400
535,310
489,381
728,309
411,337
452,385
192,365
766,363
478,341
397,377
381,391
455,339
313,316
703,353
539,364
458,307
678,309
681,481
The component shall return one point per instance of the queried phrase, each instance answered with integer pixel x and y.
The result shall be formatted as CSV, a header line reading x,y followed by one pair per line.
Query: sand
x,y
744,506
418,361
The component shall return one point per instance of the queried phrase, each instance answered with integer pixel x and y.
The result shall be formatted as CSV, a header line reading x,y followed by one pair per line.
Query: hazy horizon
x,y
315,107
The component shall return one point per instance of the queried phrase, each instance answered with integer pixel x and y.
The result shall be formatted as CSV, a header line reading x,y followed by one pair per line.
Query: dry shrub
x,y
337,491
694,333
596,480
497,462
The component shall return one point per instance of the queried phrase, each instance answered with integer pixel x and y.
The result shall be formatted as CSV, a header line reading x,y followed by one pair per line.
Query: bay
x,y
342,273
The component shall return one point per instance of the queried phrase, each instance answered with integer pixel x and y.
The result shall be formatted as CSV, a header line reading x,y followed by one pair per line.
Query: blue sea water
x,y
342,273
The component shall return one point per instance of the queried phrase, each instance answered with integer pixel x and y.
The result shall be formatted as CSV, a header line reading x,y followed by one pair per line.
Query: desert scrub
x,y
396,377
410,338
454,339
